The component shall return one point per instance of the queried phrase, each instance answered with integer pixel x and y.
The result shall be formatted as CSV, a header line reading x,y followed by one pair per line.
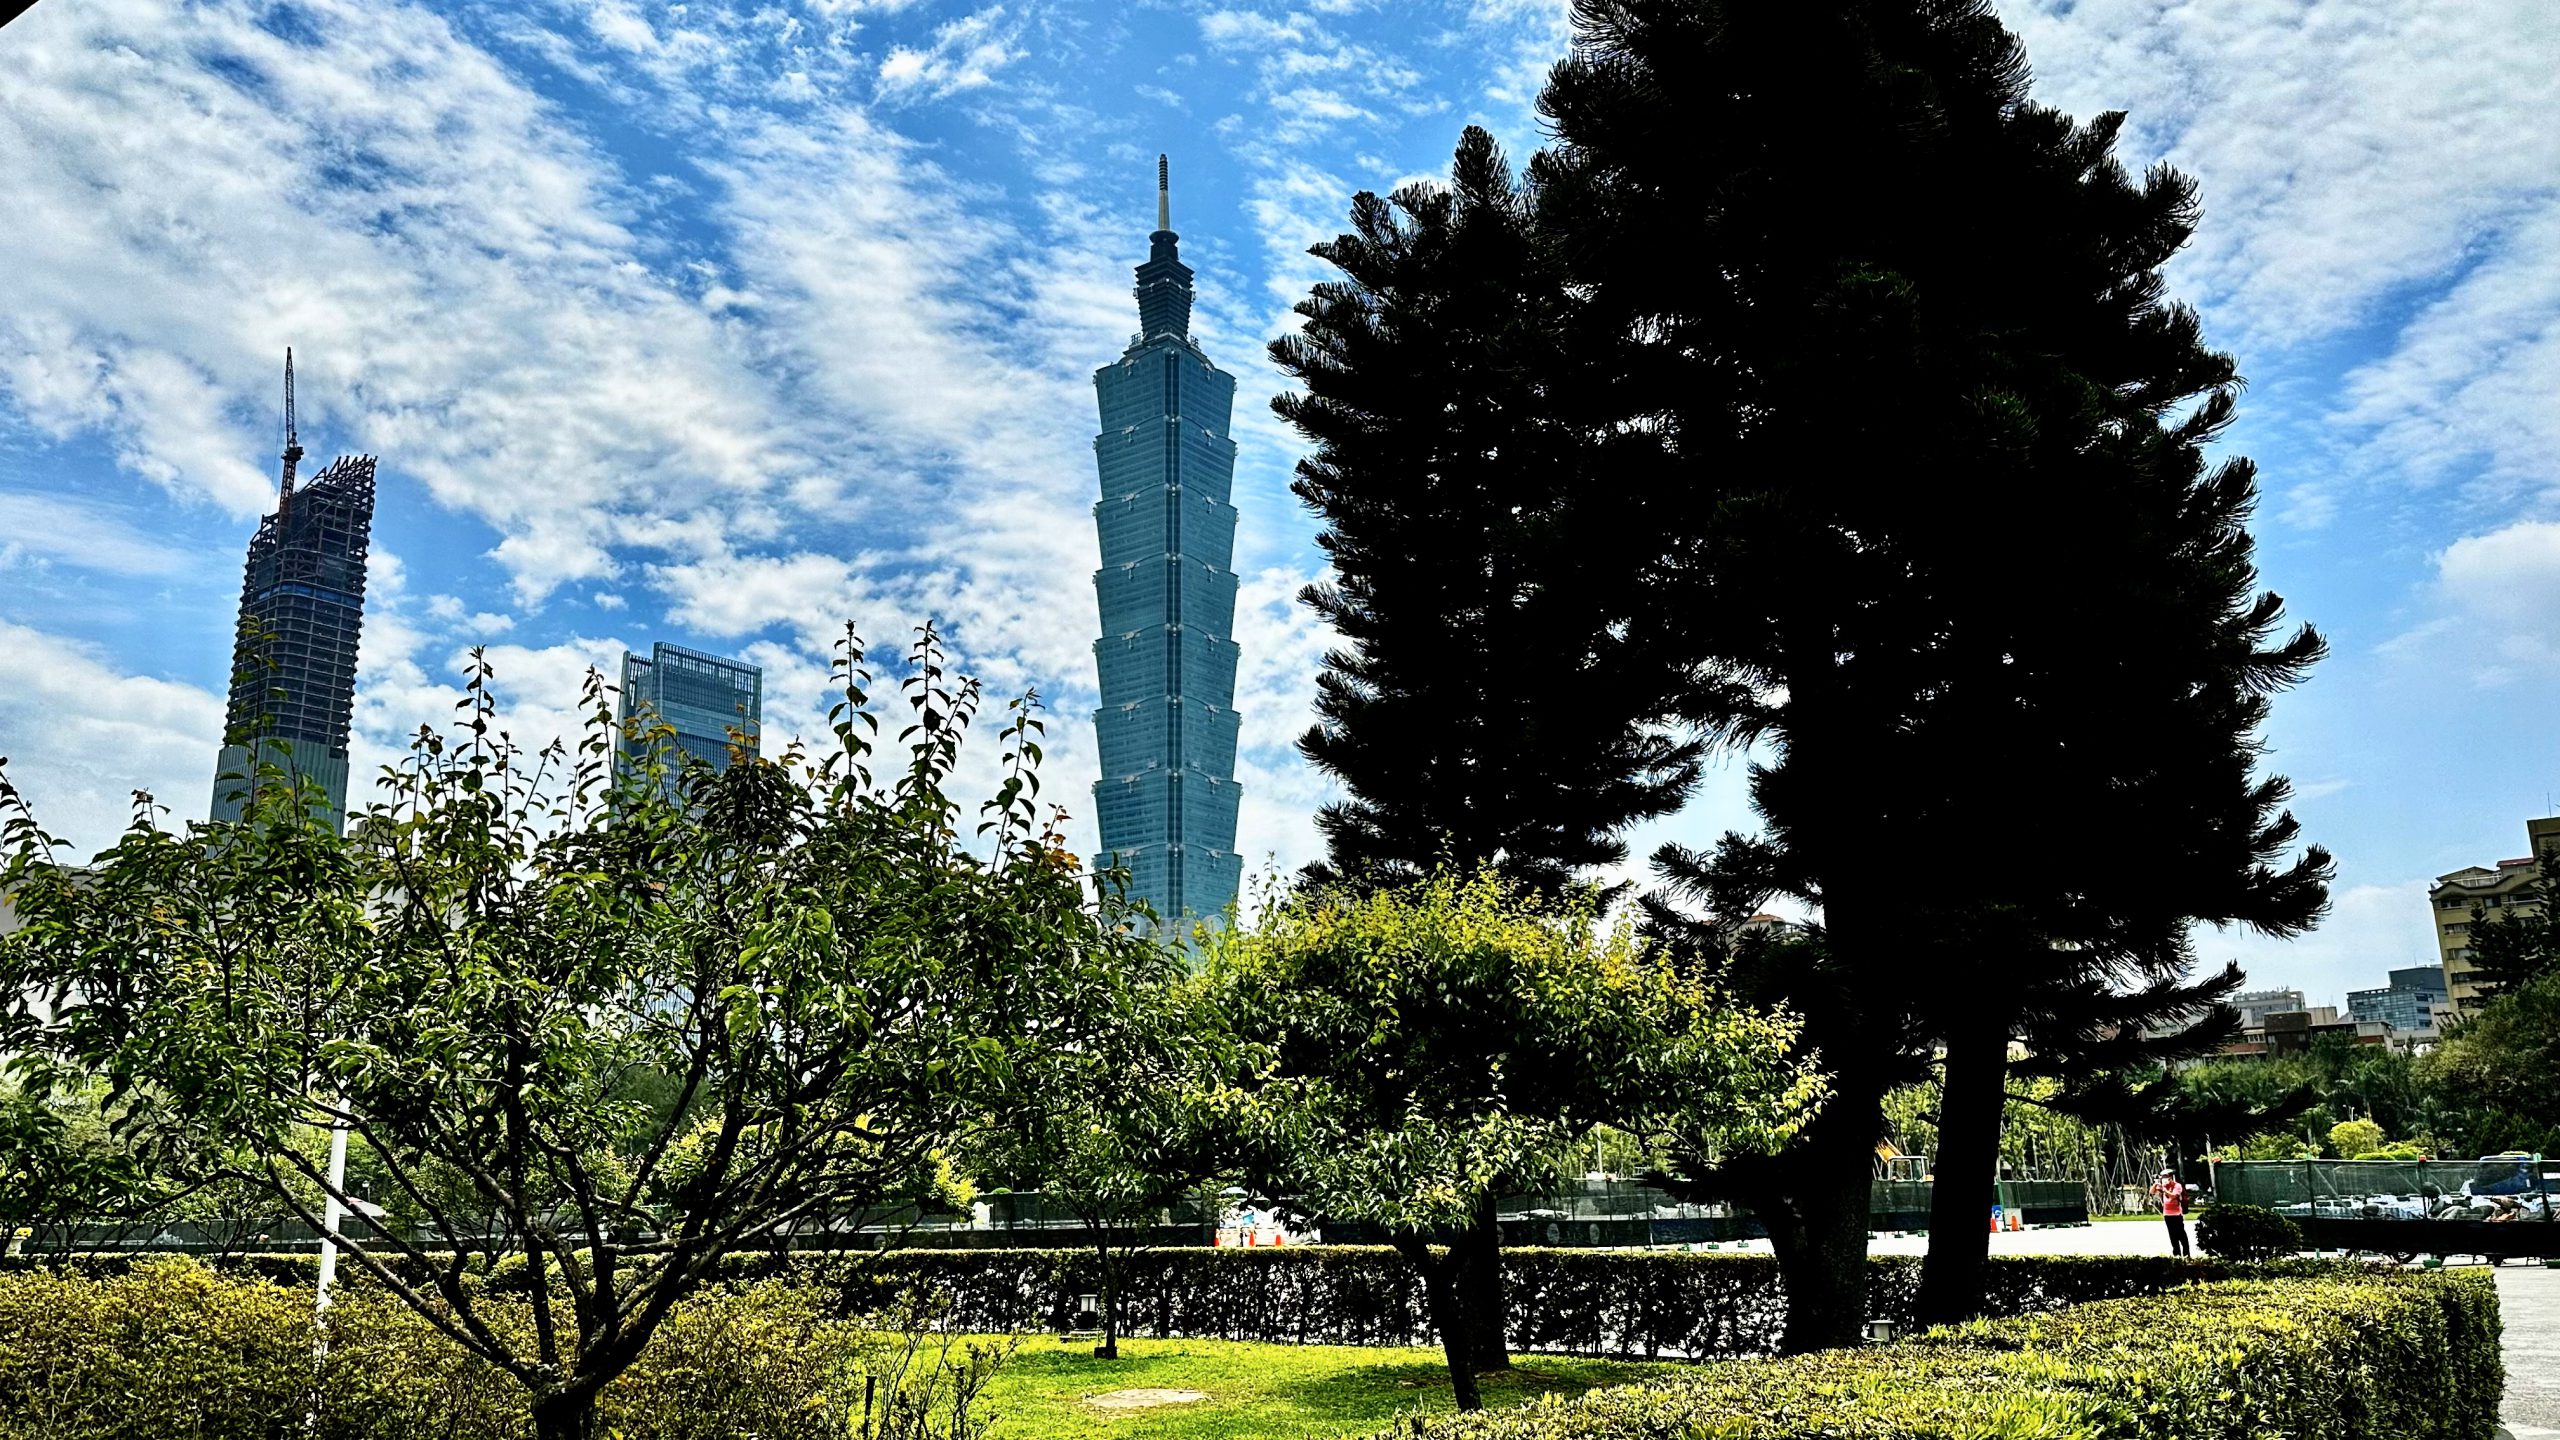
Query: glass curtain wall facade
x,y
1167,799
293,668
700,697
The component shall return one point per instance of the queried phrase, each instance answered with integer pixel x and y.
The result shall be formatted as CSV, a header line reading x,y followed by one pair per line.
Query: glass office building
x,y
293,668
2407,1004
700,697
1166,802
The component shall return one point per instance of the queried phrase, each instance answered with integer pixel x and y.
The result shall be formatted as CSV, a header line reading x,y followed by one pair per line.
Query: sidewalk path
x,y
2529,1299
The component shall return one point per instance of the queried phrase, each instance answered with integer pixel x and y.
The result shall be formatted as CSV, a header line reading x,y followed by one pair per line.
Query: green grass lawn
x,y
1255,1392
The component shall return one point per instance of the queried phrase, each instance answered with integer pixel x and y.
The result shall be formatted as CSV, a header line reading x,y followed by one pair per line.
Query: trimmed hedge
x,y
1648,1304
172,1351
1633,1304
2413,1357
2247,1232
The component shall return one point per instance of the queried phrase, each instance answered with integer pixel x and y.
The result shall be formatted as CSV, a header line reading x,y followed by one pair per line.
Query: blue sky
x,y
722,323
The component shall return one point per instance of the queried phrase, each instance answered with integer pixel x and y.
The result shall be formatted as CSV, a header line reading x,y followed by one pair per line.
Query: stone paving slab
x,y
2529,1300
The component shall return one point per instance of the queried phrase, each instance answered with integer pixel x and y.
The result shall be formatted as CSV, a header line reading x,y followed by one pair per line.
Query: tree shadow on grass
x,y
1388,1390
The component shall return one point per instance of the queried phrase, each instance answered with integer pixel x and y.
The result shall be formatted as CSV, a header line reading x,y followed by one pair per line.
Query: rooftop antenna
x,y
292,441
1164,206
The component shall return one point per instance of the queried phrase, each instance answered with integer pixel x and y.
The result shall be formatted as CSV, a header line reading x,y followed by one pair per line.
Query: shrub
x,y
2247,1232
1647,1304
2354,1137
165,1351
2329,1358
170,1349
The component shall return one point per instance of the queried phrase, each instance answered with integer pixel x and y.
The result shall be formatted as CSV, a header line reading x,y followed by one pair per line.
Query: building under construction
x,y
293,667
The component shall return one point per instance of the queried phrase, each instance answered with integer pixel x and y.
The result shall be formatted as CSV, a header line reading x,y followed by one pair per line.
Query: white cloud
x,y
2501,592
1282,649
2346,147
2372,928
2472,385
86,536
81,734
2364,165
965,54
460,271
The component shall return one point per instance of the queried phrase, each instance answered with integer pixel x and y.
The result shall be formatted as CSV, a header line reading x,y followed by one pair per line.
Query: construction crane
x,y
292,441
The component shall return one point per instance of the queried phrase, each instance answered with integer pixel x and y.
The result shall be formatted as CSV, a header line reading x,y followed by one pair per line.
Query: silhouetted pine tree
x,y
1937,524
1495,695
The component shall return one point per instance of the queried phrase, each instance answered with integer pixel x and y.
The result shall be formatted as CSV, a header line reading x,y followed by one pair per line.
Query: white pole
x,y
332,1214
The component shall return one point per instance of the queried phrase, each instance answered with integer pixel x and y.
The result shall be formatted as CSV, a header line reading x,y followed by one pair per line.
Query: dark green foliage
x,y
2483,1092
1138,1114
1933,506
2499,1064
1624,1304
1493,700
2247,1232
2316,1359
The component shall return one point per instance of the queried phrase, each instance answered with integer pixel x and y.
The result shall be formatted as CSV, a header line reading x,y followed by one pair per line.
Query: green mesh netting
x,y
2371,1189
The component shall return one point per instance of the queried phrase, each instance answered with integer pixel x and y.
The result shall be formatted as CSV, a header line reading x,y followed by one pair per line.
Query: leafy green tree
x,y
2351,1139
2503,1060
61,1157
2440,1103
1132,1119
1435,1047
839,986
1469,514
1935,512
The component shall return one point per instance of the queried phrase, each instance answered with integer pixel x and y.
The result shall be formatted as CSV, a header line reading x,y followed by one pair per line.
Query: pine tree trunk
x,y
1818,1228
1476,1265
1971,1097
1813,1199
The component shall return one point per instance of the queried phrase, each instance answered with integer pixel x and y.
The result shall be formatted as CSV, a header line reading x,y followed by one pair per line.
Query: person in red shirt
x,y
2173,1206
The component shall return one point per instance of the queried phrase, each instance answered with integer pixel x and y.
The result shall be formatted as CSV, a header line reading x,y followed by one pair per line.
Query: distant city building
x,y
2256,1005
2289,1032
2497,889
293,665
702,698
2408,1004
1167,799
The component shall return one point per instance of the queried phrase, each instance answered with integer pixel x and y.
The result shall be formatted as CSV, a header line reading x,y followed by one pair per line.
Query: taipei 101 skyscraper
x,y
1167,798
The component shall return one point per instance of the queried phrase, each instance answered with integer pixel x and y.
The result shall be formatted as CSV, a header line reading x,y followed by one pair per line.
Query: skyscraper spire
x,y
1164,282
292,441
